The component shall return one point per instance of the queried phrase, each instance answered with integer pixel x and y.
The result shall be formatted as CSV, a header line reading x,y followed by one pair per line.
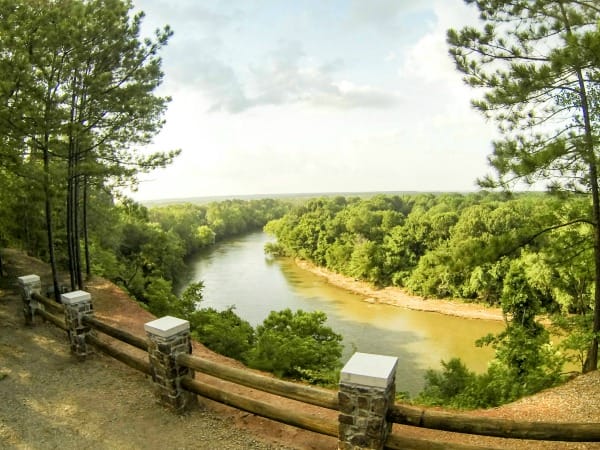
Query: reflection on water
x,y
238,273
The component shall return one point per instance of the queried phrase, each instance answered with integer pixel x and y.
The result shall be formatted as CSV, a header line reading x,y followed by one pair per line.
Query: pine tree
x,y
77,102
537,63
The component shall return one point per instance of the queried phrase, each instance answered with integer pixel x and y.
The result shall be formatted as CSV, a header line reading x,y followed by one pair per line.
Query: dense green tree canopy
x,y
77,100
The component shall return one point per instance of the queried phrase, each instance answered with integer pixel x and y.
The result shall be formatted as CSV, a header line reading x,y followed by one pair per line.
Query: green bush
x,y
297,344
223,332
444,387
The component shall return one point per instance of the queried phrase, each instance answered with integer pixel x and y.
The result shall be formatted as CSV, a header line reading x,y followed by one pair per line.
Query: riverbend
x,y
238,273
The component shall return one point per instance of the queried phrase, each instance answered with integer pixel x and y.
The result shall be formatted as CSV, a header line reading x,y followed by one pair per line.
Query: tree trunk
x,y
591,362
71,207
73,189
49,221
77,233
69,221
86,242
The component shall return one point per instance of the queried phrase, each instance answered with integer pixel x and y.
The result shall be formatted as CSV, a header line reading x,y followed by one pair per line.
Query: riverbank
x,y
398,297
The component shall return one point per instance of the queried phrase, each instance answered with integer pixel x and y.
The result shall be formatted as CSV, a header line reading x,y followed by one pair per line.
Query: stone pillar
x,y
169,336
367,390
77,305
29,284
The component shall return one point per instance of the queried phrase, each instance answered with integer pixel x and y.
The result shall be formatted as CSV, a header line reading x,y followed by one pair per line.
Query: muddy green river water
x,y
237,272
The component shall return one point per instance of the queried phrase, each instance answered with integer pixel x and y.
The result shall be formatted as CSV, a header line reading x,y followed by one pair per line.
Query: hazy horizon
x,y
345,96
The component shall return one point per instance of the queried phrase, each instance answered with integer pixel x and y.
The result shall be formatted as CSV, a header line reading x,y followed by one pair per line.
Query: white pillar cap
x,y
71,298
369,370
167,326
27,280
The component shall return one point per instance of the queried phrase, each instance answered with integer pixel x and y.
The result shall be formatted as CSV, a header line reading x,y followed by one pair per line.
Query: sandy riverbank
x,y
398,297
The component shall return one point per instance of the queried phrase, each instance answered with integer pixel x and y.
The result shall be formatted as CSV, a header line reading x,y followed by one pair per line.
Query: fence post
x,y
169,336
367,390
29,284
77,305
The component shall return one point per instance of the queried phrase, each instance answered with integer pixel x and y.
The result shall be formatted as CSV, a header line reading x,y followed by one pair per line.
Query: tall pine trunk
x,y
49,220
77,233
69,223
73,188
591,362
86,242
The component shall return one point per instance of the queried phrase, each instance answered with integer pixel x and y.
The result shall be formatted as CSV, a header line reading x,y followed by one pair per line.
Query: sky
x,y
312,96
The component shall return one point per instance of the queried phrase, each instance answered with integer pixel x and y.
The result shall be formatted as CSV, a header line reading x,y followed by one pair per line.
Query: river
x,y
237,272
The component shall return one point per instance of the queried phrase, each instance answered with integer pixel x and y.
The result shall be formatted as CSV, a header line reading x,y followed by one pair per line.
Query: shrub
x,y
297,344
223,332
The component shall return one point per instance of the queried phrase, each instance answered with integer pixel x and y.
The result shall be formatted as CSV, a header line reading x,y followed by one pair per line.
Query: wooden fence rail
x,y
489,426
132,361
48,303
295,391
396,441
121,335
58,321
396,413
264,409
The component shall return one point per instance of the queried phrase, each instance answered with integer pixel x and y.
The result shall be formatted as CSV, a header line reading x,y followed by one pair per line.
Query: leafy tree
x,y
223,332
537,63
205,236
525,362
158,296
77,101
444,387
365,261
112,106
297,344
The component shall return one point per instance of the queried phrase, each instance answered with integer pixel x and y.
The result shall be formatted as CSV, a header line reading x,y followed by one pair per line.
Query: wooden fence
x,y
184,365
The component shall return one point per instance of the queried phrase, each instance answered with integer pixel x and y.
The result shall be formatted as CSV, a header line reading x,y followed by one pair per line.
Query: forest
x,y
80,104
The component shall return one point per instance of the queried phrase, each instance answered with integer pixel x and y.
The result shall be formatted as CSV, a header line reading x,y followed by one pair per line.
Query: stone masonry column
x,y
77,305
169,336
367,390
29,284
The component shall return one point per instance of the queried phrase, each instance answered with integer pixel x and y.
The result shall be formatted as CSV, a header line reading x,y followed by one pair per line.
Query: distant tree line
x,y
145,250
448,245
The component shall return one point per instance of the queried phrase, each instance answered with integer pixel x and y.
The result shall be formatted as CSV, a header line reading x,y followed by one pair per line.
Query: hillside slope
x,y
50,400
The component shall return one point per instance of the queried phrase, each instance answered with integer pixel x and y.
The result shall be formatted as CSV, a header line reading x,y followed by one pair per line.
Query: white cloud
x,y
286,76
428,59
391,56
383,13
